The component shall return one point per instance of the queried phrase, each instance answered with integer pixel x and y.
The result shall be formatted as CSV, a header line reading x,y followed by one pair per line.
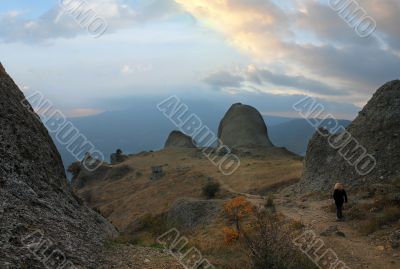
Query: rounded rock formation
x,y
177,139
243,127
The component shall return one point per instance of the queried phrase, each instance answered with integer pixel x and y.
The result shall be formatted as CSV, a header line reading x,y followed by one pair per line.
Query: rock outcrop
x,y
177,139
117,157
374,136
35,198
243,127
188,213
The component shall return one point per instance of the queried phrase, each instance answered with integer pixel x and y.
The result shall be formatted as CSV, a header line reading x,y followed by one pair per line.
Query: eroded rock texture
x,y
375,132
35,196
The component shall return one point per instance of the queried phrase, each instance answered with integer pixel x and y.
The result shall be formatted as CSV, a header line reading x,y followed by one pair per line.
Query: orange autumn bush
x,y
230,235
235,210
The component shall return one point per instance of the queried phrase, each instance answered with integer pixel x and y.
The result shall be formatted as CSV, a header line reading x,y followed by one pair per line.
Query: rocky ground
x,y
136,257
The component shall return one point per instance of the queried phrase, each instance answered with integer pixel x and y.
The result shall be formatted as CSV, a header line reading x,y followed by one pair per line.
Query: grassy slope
x,y
129,195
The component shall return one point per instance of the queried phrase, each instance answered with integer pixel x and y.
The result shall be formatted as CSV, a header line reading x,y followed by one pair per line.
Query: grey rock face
x,y
243,126
34,193
377,129
178,139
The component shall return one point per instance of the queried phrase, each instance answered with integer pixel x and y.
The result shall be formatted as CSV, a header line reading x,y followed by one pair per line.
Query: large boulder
x,y
188,213
35,198
243,127
177,139
376,129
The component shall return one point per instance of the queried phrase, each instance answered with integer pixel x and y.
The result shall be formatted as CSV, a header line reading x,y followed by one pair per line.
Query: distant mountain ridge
x,y
295,134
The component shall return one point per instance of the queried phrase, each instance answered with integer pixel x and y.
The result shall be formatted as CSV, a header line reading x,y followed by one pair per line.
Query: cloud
x,y
250,25
386,13
255,79
358,65
223,79
327,25
130,69
126,69
261,76
72,18
306,45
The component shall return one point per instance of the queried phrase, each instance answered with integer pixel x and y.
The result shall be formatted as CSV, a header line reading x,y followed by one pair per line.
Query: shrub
x,y
270,244
230,235
74,169
270,202
264,236
297,225
390,214
369,226
355,213
396,182
211,189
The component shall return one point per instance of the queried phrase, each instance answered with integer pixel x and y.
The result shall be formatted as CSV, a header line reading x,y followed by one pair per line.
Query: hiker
x,y
340,197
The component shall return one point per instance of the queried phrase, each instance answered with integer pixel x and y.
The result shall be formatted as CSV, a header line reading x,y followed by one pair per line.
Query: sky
x,y
269,51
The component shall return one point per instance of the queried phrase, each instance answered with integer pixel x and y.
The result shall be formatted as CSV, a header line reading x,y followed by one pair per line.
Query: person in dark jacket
x,y
340,197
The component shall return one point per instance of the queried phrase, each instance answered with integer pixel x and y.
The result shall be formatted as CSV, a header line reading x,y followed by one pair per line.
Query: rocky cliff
x,y
243,127
36,204
368,151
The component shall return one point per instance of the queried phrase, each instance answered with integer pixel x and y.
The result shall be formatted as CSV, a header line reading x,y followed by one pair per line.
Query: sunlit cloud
x,y
306,46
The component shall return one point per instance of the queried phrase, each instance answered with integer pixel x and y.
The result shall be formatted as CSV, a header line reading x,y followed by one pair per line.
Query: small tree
x,y
237,209
211,189
265,237
270,244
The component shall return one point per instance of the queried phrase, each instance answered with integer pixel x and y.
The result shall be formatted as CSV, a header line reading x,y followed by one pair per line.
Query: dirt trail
x,y
358,252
